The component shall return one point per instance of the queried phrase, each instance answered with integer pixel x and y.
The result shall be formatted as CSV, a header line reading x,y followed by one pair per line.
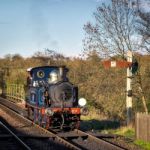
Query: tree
x,y
144,26
114,29
8,57
49,57
17,57
113,33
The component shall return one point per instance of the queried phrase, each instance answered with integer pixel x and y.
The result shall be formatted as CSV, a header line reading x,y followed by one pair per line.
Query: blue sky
x,y
27,26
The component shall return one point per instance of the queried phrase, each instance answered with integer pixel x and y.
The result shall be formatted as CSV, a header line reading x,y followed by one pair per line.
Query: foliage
x,y
140,83
105,89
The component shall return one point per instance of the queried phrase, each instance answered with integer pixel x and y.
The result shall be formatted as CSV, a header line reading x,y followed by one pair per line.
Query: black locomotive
x,y
52,101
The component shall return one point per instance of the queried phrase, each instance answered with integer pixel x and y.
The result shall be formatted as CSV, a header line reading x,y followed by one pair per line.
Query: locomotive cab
x,y
50,74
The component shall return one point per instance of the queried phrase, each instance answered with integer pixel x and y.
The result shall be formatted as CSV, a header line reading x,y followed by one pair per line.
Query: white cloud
x,y
97,1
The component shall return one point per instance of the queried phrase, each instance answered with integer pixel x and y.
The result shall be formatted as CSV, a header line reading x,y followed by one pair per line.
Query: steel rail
x,y
100,141
15,136
59,139
11,105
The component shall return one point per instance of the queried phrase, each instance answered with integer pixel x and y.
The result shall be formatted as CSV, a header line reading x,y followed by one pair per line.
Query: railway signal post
x,y
129,89
130,68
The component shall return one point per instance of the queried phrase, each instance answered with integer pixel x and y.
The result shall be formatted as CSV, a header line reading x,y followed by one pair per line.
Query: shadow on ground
x,y
87,125
30,139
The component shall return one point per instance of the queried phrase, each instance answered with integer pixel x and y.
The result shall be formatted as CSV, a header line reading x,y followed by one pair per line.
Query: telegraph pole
x,y
129,89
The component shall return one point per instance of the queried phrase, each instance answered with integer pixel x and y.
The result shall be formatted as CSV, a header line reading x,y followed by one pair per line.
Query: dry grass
x,y
96,121
93,115
125,131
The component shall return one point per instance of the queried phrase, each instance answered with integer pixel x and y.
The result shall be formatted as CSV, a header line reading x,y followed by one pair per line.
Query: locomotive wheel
x,y
61,121
30,113
45,122
58,121
74,125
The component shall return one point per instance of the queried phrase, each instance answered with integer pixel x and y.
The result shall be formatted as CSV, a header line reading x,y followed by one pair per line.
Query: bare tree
x,y
144,25
49,57
114,30
17,57
53,54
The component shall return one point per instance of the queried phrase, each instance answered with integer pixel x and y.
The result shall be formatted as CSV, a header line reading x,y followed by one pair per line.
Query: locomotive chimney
x,y
61,72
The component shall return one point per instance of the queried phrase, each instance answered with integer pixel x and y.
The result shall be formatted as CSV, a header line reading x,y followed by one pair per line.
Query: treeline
x,y
105,89
117,27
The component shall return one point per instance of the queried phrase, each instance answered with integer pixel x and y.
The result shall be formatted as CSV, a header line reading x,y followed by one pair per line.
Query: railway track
x,y
76,139
87,141
13,106
34,135
10,140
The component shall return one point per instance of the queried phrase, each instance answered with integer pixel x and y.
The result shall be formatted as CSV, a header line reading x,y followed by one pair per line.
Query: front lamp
x,y
82,102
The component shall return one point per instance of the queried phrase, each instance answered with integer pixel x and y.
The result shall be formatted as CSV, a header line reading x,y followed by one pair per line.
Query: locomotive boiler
x,y
52,100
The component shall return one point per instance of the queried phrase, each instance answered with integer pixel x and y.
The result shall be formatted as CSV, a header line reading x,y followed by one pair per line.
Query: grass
x,y
93,115
129,132
144,145
95,121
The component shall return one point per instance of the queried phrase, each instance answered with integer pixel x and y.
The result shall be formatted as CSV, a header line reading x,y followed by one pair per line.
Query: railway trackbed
x,y
75,139
9,140
87,141
33,135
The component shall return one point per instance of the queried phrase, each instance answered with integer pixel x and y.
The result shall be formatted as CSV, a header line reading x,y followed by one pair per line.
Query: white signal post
x,y
129,88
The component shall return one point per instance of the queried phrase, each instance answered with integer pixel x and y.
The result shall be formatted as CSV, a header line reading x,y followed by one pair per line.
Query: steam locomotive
x,y
52,101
